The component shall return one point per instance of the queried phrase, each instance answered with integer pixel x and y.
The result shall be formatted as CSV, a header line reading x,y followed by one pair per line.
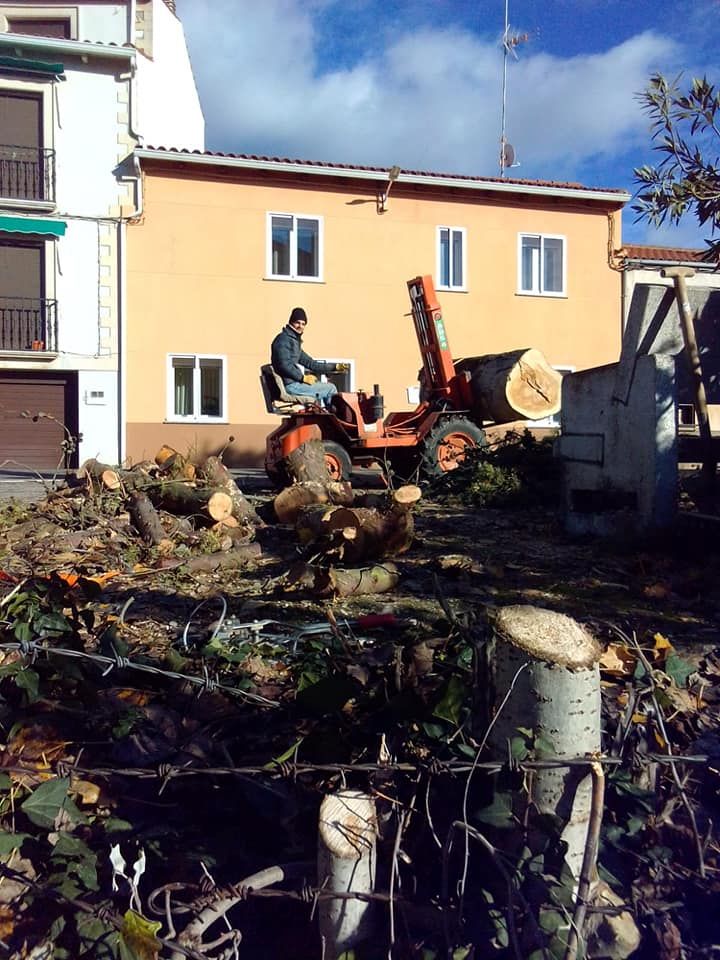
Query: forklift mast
x,y
442,381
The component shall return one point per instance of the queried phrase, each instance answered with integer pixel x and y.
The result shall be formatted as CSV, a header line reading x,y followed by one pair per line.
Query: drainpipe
x,y
122,307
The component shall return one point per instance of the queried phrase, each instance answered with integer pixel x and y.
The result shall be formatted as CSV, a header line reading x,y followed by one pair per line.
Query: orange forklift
x,y
432,438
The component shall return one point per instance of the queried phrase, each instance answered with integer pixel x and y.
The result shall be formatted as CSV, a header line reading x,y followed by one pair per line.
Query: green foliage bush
x,y
518,470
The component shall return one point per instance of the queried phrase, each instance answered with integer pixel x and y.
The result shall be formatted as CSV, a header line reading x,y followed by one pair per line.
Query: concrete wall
x,y
652,326
196,284
619,456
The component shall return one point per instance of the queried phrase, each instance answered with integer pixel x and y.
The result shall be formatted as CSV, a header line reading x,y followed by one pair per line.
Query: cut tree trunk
x,y
218,476
114,478
179,497
174,464
546,665
347,838
356,534
307,462
519,385
331,582
145,519
290,501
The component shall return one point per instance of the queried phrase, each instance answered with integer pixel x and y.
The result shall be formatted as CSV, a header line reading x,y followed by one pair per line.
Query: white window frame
x,y
171,416
293,275
553,420
461,288
537,290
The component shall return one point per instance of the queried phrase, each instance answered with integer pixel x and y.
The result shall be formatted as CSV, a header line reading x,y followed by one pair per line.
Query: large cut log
x,y
547,679
145,519
218,476
179,497
331,582
520,385
307,462
113,477
356,534
290,501
346,864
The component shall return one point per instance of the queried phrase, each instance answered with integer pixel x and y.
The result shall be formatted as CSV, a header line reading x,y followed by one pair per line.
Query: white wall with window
x,y
542,265
196,388
294,248
451,258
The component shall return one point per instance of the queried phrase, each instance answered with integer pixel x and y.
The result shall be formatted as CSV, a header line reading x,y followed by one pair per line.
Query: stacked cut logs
x,y
205,495
349,537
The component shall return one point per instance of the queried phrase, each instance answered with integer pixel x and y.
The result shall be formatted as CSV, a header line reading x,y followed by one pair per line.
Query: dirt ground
x,y
348,693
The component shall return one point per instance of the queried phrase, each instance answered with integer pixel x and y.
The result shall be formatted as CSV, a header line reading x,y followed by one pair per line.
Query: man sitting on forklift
x,y
286,356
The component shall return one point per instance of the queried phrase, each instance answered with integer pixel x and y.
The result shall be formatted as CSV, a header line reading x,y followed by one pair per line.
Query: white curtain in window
x,y
183,369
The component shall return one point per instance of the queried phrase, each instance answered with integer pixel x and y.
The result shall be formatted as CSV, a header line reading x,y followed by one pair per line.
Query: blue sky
x,y
418,83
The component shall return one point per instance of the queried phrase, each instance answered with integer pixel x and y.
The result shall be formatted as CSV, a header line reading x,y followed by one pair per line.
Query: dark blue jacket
x,y
287,352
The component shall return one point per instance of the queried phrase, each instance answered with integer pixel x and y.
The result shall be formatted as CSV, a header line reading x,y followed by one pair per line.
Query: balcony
x,y
28,325
27,173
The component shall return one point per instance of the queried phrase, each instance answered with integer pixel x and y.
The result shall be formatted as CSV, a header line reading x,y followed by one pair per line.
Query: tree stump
x,y
307,462
548,664
346,864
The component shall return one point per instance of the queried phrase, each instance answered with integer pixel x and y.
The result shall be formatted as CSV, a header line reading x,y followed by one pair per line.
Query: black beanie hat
x,y
297,314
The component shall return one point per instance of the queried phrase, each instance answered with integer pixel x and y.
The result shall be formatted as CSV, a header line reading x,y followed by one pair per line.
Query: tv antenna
x,y
510,41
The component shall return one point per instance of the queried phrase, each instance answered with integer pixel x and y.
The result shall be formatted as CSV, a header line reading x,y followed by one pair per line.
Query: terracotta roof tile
x,y
638,251
383,170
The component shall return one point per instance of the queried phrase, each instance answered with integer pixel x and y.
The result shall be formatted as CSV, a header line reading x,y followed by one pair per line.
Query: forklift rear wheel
x,y
446,445
338,461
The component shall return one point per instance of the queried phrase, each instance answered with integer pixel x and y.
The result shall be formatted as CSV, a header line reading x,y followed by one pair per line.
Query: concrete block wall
x,y
619,456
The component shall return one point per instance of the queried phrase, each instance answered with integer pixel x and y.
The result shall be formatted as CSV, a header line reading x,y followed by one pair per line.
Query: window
x,y
294,247
554,419
196,388
345,381
541,267
451,258
60,28
27,315
46,21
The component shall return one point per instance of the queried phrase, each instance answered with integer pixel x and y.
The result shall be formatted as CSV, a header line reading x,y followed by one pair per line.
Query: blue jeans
x,y
321,392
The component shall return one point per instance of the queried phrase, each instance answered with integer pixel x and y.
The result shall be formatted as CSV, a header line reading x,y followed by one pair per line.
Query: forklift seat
x,y
276,399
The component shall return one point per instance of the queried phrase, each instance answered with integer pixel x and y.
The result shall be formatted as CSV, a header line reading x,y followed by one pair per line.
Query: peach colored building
x,y
227,245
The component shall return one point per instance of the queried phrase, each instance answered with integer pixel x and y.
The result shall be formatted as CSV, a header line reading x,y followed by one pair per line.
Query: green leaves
x,y
46,801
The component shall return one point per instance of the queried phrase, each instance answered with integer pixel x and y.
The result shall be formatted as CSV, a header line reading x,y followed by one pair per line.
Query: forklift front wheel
x,y
338,461
445,446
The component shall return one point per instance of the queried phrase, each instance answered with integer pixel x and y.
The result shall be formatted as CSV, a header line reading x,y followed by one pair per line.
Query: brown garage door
x,y
36,441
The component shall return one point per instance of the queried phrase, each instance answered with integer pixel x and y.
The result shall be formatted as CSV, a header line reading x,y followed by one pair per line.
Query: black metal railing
x,y
27,173
28,324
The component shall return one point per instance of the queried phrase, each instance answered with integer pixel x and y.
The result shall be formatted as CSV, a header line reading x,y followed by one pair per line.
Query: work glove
x,y
342,367
309,378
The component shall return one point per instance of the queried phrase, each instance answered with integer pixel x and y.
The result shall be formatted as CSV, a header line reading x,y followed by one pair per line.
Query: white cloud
x,y
426,99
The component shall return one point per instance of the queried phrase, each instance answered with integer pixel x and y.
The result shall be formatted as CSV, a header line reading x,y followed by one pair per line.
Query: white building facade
x,y
81,85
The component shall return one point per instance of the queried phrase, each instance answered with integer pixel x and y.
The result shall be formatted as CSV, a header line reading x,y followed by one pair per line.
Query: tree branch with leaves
x,y
686,131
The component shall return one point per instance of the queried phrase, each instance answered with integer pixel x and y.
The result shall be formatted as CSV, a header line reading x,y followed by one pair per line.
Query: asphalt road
x,y
29,487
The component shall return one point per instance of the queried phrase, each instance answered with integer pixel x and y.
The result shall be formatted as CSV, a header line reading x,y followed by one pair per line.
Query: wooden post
x,y
678,276
346,863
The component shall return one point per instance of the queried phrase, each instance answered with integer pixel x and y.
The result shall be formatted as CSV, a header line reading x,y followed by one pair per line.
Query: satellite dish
x,y
507,156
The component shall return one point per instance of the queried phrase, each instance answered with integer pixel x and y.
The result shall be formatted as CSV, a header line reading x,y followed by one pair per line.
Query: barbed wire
x,y
32,648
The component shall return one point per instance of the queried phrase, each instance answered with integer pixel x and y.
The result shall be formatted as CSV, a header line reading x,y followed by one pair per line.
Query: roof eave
x,y
704,265
381,176
78,48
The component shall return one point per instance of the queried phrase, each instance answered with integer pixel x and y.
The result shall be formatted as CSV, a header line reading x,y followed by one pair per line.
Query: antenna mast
x,y
510,41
